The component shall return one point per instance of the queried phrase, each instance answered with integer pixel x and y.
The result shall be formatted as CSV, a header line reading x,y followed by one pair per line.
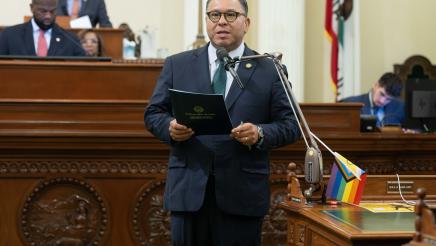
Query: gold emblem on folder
x,y
198,109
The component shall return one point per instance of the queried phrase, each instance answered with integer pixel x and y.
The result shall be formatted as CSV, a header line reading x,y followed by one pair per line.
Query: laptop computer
x,y
368,123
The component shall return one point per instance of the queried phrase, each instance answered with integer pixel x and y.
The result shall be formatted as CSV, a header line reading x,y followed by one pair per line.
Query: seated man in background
x,y
91,42
383,100
40,36
95,9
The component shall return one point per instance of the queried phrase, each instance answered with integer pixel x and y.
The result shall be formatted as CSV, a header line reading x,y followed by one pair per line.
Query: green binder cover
x,y
206,114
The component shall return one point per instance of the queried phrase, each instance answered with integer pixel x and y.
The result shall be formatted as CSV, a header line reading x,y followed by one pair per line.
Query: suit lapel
x,y
200,70
29,43
64,7
245,70
83,7
56,40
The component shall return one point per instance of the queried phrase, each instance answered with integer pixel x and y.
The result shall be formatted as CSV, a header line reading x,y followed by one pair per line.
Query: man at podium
x,y
40,36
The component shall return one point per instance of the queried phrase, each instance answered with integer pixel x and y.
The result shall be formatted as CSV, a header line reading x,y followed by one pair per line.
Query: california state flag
x,y
340,34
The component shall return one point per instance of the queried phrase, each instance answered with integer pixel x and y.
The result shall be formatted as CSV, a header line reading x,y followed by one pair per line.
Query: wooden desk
x,y
77,128
347,225
45,81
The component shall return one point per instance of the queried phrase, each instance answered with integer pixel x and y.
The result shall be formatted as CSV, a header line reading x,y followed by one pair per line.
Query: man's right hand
x,y
179,132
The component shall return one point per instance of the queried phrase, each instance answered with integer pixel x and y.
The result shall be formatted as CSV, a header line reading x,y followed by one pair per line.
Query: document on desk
x,y
206,114
387,207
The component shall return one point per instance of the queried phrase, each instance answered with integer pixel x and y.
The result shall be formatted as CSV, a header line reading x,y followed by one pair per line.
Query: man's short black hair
x,y
242,2
392,84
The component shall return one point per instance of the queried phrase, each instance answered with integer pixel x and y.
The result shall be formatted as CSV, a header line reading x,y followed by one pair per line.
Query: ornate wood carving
x,y
301,233
275,222
125,167
64,211
415,67
371,166
150,222
425,226
295,196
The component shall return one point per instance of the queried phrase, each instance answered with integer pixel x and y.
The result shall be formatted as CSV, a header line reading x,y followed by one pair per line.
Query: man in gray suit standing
x,y
95,9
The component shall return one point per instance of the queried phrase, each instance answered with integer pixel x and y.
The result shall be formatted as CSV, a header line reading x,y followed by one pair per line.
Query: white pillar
x,y
281,28
191,22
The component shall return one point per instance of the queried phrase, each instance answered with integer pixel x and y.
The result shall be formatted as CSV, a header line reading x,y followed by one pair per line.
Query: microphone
x,y
312,170
229,64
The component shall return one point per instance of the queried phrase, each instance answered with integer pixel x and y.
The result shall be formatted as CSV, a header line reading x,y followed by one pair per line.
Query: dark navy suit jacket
x,y
18,40
241,175
95,9
394,110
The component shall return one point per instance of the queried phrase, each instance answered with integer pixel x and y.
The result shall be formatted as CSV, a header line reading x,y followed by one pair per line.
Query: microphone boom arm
x,y
313,164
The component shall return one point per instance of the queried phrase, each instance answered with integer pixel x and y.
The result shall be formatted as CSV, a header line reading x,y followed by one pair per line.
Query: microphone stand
x,y
313,165
231,68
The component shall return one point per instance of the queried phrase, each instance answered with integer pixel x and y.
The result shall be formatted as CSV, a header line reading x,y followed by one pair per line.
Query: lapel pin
x,y
248,65
58,39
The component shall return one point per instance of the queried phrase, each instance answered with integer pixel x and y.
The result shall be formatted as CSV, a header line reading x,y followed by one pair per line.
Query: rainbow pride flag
x,y
346,181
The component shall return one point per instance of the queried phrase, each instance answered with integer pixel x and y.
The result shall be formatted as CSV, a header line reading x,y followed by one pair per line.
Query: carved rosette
x,y
64,211
150,222
275,222
106,167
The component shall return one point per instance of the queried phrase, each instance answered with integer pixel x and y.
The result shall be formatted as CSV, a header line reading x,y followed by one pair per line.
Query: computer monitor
x,y
420,105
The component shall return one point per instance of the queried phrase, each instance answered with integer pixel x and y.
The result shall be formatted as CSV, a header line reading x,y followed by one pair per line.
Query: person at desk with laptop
x,y
383,101
40,36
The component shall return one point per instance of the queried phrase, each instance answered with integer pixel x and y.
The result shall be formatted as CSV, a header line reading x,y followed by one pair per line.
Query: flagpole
x,y
323,144
336,155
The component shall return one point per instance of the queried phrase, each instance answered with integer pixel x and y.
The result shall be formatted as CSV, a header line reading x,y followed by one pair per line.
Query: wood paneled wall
x,y
77,166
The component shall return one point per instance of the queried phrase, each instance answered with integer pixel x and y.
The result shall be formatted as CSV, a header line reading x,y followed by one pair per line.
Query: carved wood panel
x,y
150,222
64,211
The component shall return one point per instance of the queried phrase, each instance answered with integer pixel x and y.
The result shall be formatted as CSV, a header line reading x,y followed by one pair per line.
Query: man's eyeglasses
x,y
230,16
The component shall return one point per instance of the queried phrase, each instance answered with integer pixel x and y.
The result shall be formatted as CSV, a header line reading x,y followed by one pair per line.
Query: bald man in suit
x,y
95,9
27,39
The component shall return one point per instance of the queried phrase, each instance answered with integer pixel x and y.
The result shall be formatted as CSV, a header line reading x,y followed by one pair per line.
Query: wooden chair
x,y
415,67
424,223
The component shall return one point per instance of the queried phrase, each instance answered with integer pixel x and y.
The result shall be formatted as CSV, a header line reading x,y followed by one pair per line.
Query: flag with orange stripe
x,y
346,181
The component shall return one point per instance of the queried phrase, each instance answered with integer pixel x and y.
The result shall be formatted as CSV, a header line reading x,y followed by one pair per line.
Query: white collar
x,y
234,53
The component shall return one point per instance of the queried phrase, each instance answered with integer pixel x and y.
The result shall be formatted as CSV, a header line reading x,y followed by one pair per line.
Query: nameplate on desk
x,y
406,187
295,199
